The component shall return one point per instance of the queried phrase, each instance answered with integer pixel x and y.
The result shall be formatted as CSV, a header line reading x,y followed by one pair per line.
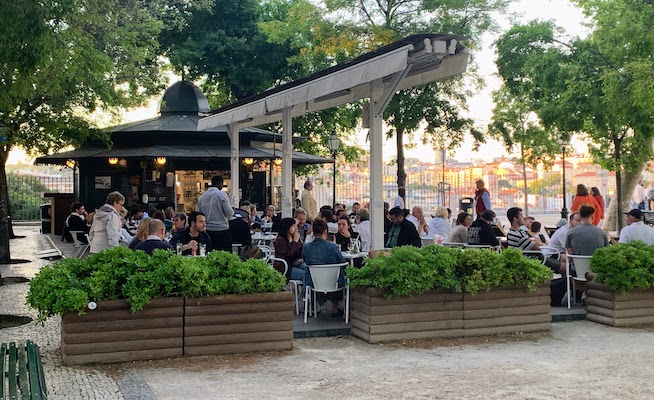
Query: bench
x,y
22,371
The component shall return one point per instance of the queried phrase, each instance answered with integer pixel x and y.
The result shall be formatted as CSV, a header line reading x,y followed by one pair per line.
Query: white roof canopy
x,y
416,60
378,75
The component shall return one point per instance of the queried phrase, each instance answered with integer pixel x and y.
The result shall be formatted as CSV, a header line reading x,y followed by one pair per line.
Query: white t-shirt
x,y
398,202
637,231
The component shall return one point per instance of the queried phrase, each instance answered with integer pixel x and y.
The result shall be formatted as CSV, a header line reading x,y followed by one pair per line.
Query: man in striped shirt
x,y
526,240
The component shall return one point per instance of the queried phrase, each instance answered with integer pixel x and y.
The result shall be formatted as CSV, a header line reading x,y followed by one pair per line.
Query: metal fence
x,y
26,193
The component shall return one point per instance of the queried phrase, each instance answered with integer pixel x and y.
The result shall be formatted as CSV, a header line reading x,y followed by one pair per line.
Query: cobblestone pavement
x,y
63,382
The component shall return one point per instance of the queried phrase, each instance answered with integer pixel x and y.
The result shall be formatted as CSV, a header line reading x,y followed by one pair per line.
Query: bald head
x,y
417,212
157,227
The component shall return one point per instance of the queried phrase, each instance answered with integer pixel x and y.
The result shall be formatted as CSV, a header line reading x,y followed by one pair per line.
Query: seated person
x,y
557,241
403,232
289,248
440,224
194,235
256,227
168,221
303,227
253,214
141,233
76,221
535,231
345,234
481,231
362,227
526,240
179,222
269,214
459,234
155,238
320,251
239,227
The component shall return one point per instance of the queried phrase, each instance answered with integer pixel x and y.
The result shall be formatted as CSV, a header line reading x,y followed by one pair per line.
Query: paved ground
x,y
577,359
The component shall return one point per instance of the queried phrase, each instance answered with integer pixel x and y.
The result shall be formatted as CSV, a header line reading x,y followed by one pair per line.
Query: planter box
x,y
608,307
446,314
176,327
238,323
112,333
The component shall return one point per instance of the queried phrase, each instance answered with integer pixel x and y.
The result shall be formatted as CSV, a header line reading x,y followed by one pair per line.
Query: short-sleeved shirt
x,y
481,233
584,239
520,239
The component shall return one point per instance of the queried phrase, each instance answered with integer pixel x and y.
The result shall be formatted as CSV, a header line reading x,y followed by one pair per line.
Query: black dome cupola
x,y
183,98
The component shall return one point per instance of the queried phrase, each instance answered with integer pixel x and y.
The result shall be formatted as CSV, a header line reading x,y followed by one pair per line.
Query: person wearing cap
x,y
399,200
403,232
482,197
557,241
481,232
636,229
585,238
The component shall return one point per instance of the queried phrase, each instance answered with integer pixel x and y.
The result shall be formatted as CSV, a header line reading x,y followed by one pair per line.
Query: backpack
x,y
250,251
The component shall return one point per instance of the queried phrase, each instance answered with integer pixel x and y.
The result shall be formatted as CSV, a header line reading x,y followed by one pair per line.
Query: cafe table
x,y
350,257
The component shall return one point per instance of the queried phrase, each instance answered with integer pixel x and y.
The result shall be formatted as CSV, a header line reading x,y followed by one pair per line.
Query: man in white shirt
x,y
636,229
638,198
557,241
399,200
416,217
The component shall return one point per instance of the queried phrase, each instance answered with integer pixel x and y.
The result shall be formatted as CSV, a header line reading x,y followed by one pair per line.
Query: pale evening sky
x,y
562,12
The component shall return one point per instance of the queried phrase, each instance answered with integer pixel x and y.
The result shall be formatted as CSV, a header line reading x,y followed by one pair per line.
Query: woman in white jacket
x,y
105,231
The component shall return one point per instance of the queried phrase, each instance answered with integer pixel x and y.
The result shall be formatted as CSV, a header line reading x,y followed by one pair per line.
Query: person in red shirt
x,y
482,198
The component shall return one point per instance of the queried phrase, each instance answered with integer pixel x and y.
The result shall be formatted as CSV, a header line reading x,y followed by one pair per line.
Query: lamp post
x,y
564,210
334,143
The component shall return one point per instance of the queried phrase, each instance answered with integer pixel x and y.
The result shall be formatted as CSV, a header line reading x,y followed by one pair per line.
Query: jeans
x,y
301,273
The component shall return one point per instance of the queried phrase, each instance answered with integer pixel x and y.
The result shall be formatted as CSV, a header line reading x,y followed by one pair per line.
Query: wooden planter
x,y
112,333
176,327
238,323
608,307
446,314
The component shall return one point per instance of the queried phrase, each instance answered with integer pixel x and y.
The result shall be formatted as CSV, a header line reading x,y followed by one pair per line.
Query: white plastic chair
x,y
582,266
325,280
83,247
536,254
267,251
293,284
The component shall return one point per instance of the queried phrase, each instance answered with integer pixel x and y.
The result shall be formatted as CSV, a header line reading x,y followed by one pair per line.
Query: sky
x,y
562,12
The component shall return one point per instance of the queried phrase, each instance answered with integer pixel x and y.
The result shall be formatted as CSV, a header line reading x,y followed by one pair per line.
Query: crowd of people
x,y
318,235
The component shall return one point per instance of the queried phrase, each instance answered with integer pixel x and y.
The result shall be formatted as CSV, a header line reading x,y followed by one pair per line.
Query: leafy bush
x,y
119,273
409,270
624,266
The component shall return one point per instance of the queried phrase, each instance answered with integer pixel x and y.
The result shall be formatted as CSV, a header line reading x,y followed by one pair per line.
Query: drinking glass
x,y
350,247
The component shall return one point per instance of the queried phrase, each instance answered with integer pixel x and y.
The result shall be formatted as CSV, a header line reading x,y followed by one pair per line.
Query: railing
x,y
26,193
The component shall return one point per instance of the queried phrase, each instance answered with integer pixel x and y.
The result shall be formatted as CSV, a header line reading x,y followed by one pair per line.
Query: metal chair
x,y
582,266
325,280
293,283
497,249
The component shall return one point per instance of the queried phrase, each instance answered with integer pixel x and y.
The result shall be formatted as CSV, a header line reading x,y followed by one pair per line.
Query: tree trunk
x,y
5,256
524,177
401,173
629,182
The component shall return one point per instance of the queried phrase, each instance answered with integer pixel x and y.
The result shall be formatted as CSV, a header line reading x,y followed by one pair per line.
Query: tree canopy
x,y
599,87
62,60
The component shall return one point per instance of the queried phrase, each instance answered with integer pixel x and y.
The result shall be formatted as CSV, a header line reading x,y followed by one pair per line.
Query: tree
x,y
514,124
599,87
63,60
437,106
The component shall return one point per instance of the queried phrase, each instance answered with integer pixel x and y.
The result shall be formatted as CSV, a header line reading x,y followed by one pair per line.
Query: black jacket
x,y
184,237
481,233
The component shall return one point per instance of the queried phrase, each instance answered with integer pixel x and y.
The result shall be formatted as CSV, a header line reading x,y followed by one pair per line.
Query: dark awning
x,y
178,152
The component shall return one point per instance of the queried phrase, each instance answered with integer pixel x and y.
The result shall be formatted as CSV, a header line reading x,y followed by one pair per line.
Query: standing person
x,y
194,235
636,229
399,200
482,197
638,198
105,231
308,202
594,191
155,238
650,196
585,238
215,205
583,197
403,232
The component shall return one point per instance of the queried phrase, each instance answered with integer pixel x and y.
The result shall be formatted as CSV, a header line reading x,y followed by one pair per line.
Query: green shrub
x,y
409,270
119,273
624,266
